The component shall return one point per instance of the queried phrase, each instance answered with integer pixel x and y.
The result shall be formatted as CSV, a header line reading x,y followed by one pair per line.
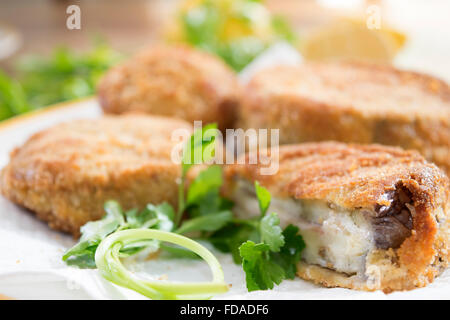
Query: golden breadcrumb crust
x,y
359,176
172,81
65,173
352,102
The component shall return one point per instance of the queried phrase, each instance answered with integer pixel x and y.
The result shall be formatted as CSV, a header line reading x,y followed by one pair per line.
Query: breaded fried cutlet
x,y
372,217
352,102
173,81
65,173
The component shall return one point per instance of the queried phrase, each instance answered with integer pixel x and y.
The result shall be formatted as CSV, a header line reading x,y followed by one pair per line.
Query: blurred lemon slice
x,y
351,39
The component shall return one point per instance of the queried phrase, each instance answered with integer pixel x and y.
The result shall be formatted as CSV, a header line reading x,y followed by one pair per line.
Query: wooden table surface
x,y
130,24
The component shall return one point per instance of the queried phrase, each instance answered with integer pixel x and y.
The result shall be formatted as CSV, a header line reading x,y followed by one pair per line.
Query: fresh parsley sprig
x,y
199,149
268,254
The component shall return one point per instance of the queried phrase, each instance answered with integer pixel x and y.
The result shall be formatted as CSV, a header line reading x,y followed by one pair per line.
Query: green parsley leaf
x,y
165,214
210,222
264,267
208,180
203,196
264,198
230,238
82,258
199,148
271,233
211,203
290,253
167,210
196,149
136,219
260,272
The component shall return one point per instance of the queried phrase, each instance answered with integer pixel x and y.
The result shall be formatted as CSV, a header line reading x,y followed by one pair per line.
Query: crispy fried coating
x,y
384,185
65,173
172,81
352,102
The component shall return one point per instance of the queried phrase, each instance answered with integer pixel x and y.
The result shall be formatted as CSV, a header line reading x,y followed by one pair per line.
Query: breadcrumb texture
x,y
352,102
360,176
65,173
173,81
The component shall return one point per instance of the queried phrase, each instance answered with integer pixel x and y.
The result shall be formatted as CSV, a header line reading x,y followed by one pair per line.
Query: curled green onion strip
x,y
107,259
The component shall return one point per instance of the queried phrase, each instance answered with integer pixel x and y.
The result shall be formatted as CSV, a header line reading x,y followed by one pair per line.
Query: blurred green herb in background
x,y
12,97
64,75
236,30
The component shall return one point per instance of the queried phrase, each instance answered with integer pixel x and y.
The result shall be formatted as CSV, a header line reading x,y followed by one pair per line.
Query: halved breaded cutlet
x,y
372,217
352,102
65,173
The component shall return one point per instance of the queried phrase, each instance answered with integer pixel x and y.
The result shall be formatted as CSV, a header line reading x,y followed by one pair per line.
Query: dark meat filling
x,y
393,224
